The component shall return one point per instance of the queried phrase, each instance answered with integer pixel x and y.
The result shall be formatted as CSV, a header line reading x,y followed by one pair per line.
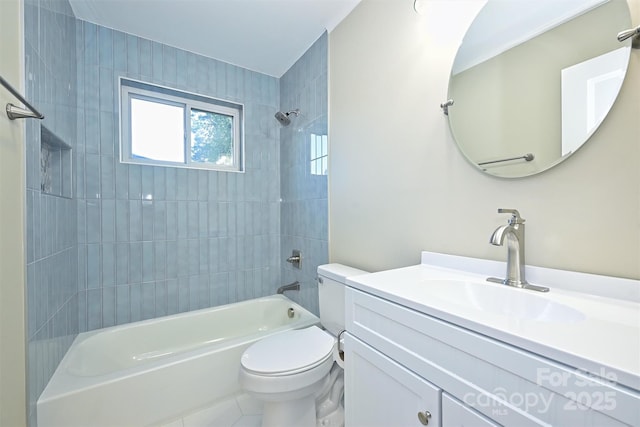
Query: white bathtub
x,y
147,372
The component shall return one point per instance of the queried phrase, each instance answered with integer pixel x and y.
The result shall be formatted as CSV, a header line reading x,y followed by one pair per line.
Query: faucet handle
x,y
515,216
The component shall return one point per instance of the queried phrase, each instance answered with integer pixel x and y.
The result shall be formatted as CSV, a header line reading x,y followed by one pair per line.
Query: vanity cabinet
x,y
401,362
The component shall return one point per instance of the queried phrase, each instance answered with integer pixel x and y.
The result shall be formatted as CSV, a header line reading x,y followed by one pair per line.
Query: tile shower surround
x,y
155,240
137,242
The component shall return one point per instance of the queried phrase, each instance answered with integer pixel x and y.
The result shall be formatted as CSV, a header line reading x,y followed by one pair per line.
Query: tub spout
x,y
295,286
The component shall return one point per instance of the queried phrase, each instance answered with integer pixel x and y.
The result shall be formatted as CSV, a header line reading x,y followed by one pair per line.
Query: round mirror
x,y
533,80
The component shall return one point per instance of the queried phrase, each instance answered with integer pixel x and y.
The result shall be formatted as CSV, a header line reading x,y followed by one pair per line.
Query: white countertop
x,y
597,332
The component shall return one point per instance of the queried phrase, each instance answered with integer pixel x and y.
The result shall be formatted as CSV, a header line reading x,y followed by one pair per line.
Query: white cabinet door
x,y
381,393
457,414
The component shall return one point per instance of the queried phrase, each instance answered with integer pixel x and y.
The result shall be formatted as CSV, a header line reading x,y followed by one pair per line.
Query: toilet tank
x,y
331,283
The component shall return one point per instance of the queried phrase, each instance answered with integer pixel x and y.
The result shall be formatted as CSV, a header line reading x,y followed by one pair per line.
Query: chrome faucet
x,y
513,232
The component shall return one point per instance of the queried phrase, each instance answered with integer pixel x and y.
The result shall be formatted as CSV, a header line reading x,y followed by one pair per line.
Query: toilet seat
x,y
289,352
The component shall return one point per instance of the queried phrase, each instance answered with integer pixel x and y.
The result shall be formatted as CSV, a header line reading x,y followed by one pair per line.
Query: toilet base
x,y
330,402
334,419
292,413
295,408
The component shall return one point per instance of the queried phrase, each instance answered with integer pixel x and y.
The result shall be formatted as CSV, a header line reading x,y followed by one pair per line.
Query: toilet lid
x,y
289,352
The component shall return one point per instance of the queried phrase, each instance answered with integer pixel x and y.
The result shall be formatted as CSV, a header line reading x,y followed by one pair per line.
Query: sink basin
x,y
501,300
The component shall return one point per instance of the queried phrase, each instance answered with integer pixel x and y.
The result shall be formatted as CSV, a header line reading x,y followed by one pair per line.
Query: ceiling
x,y
267,36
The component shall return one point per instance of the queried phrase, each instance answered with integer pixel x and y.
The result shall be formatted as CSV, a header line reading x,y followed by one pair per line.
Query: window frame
x,y
135,89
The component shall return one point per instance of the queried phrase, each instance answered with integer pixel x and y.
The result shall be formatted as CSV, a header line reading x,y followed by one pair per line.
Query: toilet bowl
x,y
287,371
295,373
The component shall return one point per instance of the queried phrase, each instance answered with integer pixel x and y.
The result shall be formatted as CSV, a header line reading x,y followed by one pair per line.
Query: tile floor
x,y
240,410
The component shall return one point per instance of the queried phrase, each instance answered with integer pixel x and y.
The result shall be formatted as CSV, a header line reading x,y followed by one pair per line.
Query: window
x,y
166,127
318,150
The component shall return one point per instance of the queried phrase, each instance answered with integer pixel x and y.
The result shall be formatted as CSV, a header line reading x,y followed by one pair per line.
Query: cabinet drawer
x,y
457,414
381,393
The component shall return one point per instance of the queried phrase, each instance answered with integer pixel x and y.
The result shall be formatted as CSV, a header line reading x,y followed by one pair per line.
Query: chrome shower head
x,y
284,119
635,33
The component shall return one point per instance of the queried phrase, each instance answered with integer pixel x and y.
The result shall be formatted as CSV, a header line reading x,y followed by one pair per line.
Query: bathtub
x,y
148,372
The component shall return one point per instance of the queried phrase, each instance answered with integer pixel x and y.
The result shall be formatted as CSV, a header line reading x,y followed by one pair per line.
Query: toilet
x,y
295,373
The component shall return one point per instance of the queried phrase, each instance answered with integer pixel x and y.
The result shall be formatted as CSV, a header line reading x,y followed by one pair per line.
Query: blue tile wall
x,y
136,242
304,209
155,240
52,257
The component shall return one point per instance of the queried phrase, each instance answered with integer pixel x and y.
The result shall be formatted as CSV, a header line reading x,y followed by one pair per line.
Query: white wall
x,y
12,185
399,185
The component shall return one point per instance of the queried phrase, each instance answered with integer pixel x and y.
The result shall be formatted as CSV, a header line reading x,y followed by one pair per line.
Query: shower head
x,y
634,32
284,119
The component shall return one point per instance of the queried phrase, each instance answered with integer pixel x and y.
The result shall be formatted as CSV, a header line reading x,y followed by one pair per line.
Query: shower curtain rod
x,y
15,112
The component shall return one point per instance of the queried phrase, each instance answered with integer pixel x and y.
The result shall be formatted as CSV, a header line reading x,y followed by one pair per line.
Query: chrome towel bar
x,y
528,157
15,112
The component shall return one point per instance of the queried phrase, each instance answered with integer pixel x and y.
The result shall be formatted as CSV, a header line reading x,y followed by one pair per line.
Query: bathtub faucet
x,y
295,286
